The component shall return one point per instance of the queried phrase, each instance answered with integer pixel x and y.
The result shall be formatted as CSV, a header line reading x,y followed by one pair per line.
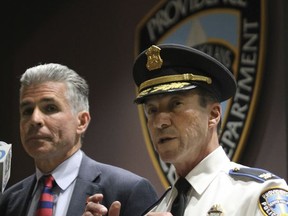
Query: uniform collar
x,y
204,173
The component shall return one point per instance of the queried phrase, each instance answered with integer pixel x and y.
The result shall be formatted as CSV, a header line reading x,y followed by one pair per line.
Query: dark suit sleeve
x,y
135,193
142,196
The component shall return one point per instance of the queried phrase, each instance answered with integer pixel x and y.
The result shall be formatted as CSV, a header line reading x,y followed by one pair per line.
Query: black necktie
x,y
180,202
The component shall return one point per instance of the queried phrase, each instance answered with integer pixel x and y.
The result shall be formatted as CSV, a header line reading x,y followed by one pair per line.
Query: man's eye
x,y
175,104
51,109
27,111
150,110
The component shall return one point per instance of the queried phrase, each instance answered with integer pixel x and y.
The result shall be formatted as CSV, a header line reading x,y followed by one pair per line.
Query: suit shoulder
x,y
252,174
118,171
22,183
110,171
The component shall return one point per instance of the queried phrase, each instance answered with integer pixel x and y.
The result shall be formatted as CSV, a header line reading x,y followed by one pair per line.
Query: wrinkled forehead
x,y
47,90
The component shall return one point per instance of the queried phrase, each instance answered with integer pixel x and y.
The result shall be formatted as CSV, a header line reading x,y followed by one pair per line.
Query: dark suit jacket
x,y
135,193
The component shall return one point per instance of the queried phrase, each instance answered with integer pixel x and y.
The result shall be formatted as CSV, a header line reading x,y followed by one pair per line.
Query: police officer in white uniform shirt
x,y
180,89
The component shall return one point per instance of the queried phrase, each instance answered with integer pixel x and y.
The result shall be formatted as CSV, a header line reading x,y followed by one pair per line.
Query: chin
x,y
168,157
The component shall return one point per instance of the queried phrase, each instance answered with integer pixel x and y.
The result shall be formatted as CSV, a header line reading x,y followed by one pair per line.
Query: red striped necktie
x,y
45,205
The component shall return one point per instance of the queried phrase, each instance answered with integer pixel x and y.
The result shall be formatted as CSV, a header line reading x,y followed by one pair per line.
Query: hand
x,y
158,214
94,208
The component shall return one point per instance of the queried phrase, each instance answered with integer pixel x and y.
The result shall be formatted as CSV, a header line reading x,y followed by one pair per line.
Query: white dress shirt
x,y
213,188
65,175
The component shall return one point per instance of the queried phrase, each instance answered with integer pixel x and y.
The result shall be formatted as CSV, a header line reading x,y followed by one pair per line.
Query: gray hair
x,y
77,87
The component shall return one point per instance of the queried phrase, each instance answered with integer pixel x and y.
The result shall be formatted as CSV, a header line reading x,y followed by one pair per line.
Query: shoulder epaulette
x,y
248,173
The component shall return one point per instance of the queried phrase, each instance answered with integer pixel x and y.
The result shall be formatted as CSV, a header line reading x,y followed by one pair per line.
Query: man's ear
x,y
215,115
83,121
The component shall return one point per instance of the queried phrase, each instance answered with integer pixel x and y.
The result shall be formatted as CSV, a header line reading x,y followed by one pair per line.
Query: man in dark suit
x,y
54,115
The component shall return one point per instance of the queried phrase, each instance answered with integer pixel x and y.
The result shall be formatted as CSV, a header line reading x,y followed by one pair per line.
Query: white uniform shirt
x,y
233,195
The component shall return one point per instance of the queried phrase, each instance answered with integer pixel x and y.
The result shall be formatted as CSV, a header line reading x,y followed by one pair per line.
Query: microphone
x,y
5,164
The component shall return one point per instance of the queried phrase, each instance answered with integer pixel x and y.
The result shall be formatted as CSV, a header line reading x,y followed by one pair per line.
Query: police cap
x,y
169,68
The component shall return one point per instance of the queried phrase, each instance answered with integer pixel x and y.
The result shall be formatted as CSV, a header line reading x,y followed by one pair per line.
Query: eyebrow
x,y
172,96
27,103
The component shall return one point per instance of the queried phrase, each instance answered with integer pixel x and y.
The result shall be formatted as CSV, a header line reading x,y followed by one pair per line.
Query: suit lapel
x,y
22,197
85,186
80,194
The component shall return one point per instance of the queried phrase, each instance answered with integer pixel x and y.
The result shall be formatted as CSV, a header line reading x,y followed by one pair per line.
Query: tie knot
x,y
182,185
48,181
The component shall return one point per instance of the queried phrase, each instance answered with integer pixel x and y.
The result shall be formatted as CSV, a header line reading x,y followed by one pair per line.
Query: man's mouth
x,y
165,139
37,138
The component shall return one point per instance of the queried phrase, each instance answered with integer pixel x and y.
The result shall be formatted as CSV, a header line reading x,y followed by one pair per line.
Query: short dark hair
x,y
205,98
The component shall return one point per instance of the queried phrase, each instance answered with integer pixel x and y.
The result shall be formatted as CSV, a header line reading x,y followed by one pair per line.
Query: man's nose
x,y
37,118
162,120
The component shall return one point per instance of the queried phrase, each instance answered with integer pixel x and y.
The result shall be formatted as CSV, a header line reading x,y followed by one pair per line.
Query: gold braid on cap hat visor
x,y
174,78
